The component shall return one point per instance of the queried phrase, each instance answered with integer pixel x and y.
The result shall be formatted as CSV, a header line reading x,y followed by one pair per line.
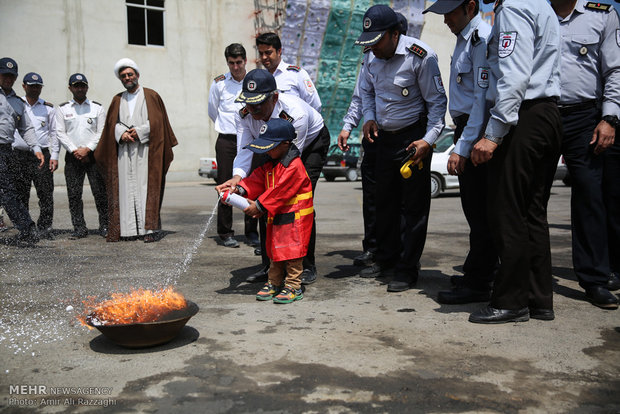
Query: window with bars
x,y
145,22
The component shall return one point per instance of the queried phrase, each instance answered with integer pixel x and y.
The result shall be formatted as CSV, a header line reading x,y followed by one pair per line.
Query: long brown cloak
x,y
161,141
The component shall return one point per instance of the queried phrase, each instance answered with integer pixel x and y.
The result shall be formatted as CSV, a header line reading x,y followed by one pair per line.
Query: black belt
x,y
461,120
405,129
5,146
566,109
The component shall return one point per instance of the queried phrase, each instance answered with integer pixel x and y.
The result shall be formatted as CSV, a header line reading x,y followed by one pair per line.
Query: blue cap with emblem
x,y
257,85
8,65
32,78
275,131
377,20
443,6
78,78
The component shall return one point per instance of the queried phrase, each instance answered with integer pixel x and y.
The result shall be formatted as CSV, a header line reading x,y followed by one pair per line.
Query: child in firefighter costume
x,y
282,190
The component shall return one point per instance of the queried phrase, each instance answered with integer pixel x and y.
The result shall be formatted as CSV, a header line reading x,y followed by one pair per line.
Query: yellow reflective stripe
x,y
299,197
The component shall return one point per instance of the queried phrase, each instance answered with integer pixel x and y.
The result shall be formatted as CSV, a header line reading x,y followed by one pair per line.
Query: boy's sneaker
x,y
267,292
288,295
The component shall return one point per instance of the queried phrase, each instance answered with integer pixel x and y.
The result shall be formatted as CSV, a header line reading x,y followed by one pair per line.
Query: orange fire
x,y
139,305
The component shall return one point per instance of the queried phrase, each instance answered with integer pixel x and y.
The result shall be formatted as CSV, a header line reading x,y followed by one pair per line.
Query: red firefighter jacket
x,y
282,189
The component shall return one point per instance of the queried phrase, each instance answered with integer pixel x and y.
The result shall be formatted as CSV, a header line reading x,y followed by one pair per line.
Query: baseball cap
x,y
8,65
77,78
257,85
377,20
402,23
275,131
32,78
443,6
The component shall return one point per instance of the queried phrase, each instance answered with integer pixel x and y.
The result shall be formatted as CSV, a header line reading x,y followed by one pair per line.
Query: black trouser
x,y
481,261
369,209
611,196
520,177
588,212
15,209
225,153
402,204
75,170
313,157
28,172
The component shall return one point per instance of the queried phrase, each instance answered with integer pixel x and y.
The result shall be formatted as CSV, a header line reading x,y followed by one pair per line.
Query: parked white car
x,y
440,179
207,168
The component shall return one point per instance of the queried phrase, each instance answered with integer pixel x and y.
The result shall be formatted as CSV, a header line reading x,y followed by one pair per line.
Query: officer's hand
x,y
370,130
343,137
483,151
456,164
53,165
603,135
252,210
422,149
41,158
81,153
228,185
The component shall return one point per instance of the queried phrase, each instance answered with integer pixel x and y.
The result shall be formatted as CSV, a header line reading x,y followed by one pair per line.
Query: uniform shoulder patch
x,y
475,38
286,117
48,104
95,102
219,78
366,49
243,112
592,5
293,67
64,103
417,50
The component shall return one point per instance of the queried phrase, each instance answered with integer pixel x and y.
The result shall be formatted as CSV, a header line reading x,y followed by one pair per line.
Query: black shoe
x,y
462,294
253,240
28,237
78,234
230,242
375,270
260,276
257,251
308,276
542,314
601,296
457,280
47,233
493,315
365,259
400,283
103,231
613,283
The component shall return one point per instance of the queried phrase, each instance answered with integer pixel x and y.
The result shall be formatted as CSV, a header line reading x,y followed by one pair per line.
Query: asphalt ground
x,y
348,346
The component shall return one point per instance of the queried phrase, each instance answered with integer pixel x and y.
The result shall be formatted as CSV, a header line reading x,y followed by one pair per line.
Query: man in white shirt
x,y
79,123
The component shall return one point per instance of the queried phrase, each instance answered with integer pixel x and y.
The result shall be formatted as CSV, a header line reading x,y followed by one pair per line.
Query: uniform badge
x,y
9,65
439,84
507,42
251,85
78,77
90,120
263,129
367,23
42,123
483,77
309,85
583,51
458,79
404,92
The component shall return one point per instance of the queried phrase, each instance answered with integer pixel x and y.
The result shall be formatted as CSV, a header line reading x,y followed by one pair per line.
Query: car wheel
x,y
329,177
435,185
351,174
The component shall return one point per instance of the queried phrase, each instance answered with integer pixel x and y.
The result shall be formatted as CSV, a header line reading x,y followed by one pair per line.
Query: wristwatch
x,y
497,140
611,120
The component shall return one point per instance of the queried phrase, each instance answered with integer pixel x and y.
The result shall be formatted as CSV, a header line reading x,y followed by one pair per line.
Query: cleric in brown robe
x,y
134,154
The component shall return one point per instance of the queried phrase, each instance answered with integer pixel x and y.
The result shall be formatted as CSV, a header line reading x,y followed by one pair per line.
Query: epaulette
x,y
219,78
48,104
475,38
286,116
64,103
293,67
95,102
243,112
497,4
366,49
417,50
598,6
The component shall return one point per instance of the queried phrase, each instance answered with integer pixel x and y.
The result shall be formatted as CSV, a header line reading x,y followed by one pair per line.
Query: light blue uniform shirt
x,y
13,116
354,113
524,58
590,60
469,81
396,92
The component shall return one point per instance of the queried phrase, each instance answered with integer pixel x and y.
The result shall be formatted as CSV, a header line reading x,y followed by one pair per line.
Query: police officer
x,y
79,123
222,109
42,115
522,145
262,102
590,106
13,116
351,120
290,79
403,104
469,81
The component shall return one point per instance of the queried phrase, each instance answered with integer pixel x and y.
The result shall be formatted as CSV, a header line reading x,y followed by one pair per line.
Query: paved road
x,y
348,346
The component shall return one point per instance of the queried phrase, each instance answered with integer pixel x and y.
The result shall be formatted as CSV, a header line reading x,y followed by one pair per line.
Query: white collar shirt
x,y
79,125
222,105
296,81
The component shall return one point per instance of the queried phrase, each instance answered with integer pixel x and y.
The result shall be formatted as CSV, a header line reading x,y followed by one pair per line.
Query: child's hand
x,y
252,210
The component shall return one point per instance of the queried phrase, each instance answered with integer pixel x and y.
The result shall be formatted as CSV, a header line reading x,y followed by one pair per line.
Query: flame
x,y
139,305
